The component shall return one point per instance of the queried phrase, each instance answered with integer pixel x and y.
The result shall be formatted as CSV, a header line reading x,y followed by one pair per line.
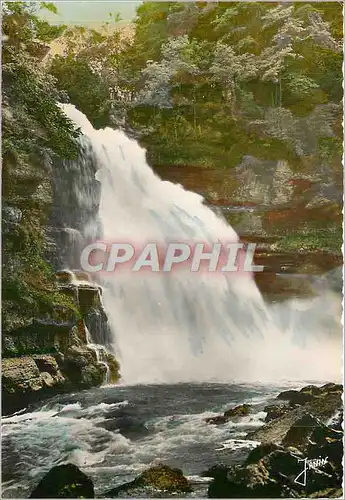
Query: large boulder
x,y
275,411
295,397
157,479
27,378
237,411
299,433
252,481
270,471
64,481
322,406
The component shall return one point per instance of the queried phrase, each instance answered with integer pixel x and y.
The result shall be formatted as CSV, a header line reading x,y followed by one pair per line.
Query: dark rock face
x,y
295,397
301,430
160,478
50,356
64,481
270,472
274,411
322,406
296,442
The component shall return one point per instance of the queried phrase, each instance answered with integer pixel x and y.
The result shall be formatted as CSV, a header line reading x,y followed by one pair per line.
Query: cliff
x,y
45,317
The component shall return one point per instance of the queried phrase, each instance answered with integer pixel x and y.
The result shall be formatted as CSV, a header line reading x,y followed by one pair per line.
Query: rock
x,y
326,442
47,380
161,477
308,393
336,421
128,426
312,390
238,411
46,363
322,407
300,432
82,368
252,481
261,451
165,478
19,372
295,397
331,388
218,472
64,481
270,471
219,419
26,379
64,277
275,411
114,367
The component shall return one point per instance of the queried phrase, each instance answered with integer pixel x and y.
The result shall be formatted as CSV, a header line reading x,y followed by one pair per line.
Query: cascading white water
x,y
184,326
98,349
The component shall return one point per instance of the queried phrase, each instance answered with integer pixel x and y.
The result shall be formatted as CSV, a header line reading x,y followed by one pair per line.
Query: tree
x,y
28,89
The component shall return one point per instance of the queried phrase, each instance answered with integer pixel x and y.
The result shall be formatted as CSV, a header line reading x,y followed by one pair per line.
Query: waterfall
x,y
99,351
184,326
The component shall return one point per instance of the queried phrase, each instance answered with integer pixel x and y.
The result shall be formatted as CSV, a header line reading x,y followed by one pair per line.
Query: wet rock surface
x,y
64,481
238,411
322,406
300,453
157,480
52,355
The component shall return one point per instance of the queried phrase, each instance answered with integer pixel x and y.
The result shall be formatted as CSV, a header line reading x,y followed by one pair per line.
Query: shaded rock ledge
x,y
300,454
52,354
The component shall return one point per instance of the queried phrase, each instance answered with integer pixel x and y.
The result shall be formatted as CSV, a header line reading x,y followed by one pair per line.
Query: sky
x,y
90,13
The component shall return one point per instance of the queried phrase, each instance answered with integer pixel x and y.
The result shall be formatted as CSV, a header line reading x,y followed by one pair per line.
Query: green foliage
x,y
207,83
29,91
49,6
34,131
322,239
86,90
91,67
28,289
226,65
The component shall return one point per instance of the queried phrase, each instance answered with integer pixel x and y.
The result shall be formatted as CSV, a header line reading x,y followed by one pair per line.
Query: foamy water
x,y
114,433
184,326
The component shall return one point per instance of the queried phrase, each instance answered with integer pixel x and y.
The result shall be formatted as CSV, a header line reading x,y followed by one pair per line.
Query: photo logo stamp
x,y
309,464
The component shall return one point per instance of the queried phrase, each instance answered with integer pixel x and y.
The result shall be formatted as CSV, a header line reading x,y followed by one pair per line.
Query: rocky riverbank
x,y
298,454
301,428
54,354
48,318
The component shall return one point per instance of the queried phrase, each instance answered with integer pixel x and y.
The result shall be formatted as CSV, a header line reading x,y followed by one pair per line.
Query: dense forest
x,y
199,83
206,83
